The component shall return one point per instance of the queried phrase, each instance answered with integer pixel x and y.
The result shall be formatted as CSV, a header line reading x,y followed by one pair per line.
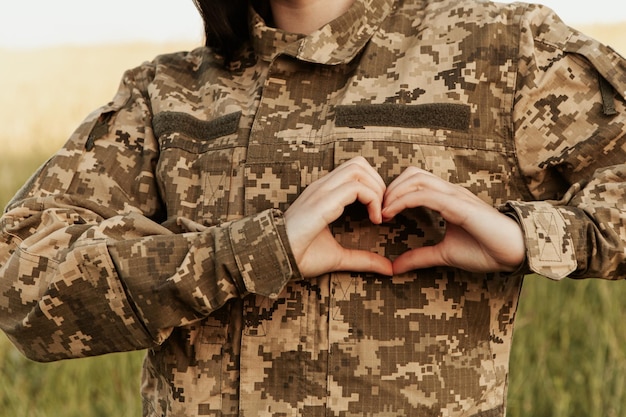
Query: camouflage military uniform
x,y
159,225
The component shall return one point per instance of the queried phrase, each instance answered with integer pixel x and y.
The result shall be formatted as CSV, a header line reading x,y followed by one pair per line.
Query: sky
x,y
38,23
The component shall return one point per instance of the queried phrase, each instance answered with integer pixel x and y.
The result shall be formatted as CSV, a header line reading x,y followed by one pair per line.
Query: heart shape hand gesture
x,y
473,241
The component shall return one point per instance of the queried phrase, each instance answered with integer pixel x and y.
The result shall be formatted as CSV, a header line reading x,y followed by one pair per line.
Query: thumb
x,y
364,261
420,258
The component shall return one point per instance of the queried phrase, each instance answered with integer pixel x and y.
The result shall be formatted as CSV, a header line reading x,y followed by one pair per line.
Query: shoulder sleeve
x,y
86,265
570,124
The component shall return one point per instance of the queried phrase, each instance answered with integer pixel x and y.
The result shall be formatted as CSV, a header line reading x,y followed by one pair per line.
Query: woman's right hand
x,y
315,249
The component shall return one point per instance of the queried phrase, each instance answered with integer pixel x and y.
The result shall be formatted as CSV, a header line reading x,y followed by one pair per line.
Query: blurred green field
x,y
569,356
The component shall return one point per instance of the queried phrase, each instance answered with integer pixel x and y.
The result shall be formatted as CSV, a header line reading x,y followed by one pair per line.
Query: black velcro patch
x,y
172,122
434,116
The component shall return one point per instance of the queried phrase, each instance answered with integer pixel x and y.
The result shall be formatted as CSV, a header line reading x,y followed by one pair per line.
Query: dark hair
x,y
226,23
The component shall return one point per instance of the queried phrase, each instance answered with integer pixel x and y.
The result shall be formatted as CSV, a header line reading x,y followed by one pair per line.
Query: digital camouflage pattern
x,y
159,225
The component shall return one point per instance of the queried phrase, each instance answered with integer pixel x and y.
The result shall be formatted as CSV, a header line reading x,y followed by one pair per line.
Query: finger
x,y
364,261
309,215
355,191
325,254
408,179
420,258
352,181
369,169
411,181
434,200
357,169
453,202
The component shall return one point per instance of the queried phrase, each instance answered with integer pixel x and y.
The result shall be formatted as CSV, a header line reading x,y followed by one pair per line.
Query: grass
x,y
97,387
569,350
569,354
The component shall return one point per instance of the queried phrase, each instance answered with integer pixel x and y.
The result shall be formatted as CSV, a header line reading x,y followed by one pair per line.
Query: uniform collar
x,y
337,42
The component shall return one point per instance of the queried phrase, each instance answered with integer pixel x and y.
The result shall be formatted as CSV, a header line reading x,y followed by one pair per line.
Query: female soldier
x,y
328,209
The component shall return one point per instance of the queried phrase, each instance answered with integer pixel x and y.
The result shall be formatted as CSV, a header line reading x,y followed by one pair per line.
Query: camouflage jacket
x,y
158,225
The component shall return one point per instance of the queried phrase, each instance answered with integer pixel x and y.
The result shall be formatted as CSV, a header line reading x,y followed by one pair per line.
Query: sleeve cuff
x,y
550,248
262,253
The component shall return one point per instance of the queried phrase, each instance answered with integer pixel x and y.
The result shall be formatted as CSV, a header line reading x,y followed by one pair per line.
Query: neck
x,y
306,16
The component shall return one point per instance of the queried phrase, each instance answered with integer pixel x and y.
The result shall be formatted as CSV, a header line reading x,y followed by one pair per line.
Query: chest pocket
x,y
199,165
439,138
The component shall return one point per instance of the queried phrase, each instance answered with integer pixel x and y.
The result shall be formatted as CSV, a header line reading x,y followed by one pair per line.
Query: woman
x,y
328,210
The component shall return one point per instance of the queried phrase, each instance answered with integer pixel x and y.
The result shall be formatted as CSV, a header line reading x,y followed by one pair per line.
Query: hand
x,y
478,237
315,249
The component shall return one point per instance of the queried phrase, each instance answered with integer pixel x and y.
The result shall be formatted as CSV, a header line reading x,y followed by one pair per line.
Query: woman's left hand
x,y
478,237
